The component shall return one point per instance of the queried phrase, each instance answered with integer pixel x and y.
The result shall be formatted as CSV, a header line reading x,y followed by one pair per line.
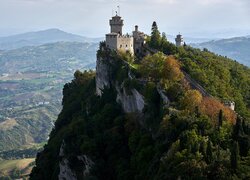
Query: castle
x,y
126,43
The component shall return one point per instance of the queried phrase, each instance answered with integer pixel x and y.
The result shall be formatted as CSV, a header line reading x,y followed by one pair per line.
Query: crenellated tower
x,y
116,24
179,40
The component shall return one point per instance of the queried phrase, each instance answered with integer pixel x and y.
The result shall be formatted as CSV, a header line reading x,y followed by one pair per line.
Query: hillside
x,y
31,79
16,168
148,122
41,37
235,48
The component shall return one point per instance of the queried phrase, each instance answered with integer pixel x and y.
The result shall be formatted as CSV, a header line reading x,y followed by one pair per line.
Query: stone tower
x,y
179,40
116,24
115,40
139,40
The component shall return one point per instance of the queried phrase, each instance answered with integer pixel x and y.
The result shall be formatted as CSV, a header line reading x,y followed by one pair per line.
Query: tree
x,y
164,40
234,155
211,106
238,129
155,36
172,70
209,152
159,66
153,66
220,118
191,99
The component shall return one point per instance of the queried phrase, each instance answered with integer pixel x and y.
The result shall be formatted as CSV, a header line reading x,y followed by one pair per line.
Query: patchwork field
x,y
16,168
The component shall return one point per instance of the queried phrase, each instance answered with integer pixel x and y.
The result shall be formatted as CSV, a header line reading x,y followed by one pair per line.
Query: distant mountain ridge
x,y
189,39
236,48
41,37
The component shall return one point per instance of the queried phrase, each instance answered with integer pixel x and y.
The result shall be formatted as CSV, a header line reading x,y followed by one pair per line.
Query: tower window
x,y
120,46
126,45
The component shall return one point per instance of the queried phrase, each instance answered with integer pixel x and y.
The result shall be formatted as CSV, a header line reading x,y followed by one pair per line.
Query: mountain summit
x,y
41,37
163,112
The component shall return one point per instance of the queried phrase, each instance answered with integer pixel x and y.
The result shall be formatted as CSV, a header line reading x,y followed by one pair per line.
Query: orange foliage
x,y
172,69
211,107
191,99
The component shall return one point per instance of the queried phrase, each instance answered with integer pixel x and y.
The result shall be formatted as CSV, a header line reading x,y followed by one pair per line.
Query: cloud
x,y
90,17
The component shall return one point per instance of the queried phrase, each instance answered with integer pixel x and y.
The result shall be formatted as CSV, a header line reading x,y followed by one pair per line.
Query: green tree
x,y
155,36
220,118
209,152
234,155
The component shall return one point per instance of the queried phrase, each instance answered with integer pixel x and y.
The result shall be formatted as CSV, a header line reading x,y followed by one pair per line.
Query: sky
x,y
194,18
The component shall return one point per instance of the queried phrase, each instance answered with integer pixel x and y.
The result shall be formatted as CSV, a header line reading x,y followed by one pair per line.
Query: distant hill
x,y
41,37
31,80
236,48
189,39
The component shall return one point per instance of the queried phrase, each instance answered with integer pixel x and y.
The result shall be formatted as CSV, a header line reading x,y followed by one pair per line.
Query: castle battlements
x,y
128,43
125,36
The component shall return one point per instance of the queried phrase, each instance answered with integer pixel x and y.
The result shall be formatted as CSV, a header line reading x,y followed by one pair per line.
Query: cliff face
x,y
130,103
66,172
103,78
106,78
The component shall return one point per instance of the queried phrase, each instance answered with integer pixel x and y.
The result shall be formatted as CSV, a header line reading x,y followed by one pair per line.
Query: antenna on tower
x,y
119,10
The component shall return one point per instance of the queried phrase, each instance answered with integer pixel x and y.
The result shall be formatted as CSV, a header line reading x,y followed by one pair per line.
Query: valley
x,y
31,83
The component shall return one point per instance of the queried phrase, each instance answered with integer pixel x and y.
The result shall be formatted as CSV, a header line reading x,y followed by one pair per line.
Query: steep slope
x,y
41,37
236,48
171,132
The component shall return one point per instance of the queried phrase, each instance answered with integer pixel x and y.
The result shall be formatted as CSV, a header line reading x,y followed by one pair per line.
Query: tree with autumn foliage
x,y
172,69
160,67
190,100
212,107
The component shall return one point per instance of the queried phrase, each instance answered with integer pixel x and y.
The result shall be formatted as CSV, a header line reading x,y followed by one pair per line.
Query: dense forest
x,y
192,136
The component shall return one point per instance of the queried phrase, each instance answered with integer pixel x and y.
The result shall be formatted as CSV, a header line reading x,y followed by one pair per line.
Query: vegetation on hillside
x,y
221,77
14,169
196,137
236,48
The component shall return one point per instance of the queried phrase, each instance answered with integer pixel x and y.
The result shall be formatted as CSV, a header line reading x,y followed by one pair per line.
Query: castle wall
x,y
116,29
121,43
111,41
125,43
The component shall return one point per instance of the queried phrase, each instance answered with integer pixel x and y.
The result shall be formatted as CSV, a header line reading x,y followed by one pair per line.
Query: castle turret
x,y
139,40
136,28
116,24
179,40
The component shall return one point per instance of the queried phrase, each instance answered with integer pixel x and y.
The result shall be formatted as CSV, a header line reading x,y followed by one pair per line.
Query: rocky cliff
x,y
106,77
